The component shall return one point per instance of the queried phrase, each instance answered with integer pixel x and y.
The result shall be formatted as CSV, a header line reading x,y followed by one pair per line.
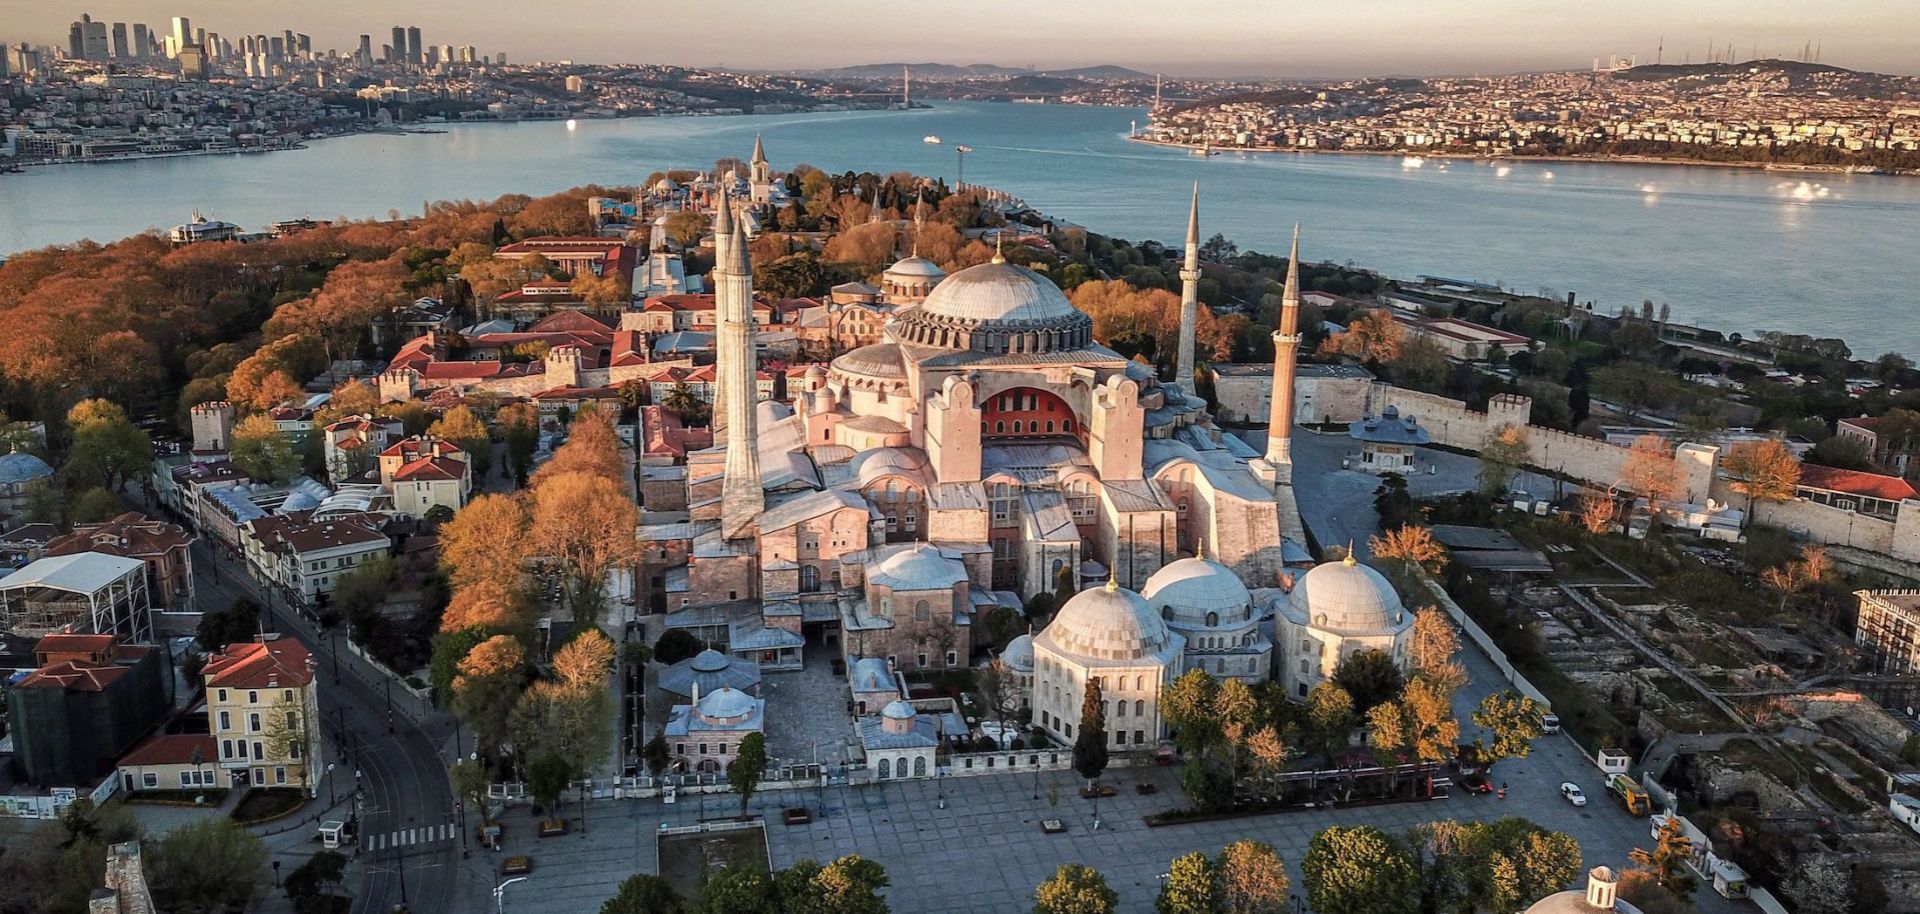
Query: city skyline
x,y
1224,38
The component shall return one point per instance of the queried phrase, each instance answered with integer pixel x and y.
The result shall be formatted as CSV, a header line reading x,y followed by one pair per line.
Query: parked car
x,y
1573,793
1476,783
516,866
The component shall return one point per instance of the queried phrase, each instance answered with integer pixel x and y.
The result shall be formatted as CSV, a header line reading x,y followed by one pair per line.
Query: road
x,y
407,849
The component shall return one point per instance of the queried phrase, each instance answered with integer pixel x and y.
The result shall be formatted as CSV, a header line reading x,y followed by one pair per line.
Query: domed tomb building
x,y
1334,611
1112,635
1208,605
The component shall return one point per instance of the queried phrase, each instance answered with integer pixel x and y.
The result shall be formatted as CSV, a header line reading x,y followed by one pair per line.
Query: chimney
x,y
1600,888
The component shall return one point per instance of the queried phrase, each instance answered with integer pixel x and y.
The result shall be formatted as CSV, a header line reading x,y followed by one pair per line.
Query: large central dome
x,y
996,308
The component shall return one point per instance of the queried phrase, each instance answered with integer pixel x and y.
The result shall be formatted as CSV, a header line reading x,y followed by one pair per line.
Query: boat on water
x,y
931,140
1205,149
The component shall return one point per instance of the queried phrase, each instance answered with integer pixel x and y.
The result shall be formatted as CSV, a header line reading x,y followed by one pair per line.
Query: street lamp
x,y
329,777
500,894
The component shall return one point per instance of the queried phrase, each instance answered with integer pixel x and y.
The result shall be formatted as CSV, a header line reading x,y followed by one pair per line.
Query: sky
x,y
1266,38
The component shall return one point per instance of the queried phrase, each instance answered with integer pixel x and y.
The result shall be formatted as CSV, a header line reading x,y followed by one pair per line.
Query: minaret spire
x,y
1189,299
722,255
1286,343
741,496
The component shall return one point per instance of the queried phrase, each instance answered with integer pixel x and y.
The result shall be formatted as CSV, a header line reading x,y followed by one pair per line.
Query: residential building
x,y
424,473
263,706
173,762
1899,456
352,445
1889,627
90,699
162,546
304,555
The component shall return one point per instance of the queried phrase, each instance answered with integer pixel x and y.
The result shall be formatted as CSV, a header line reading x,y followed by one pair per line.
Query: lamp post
x,y
500,894
329,777
276,874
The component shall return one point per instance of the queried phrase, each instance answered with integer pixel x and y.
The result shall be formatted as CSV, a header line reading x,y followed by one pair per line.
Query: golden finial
x,y
1113,583
998,257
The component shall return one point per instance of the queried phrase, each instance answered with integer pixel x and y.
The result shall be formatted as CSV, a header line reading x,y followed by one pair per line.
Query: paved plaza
x,y
807,715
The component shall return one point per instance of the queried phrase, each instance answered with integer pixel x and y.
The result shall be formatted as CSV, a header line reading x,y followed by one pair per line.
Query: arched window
x,y
1139,709
1213,619
1066,425
886,768
1119,709
1139,683
1049,426
920,766
921,612
999,427
809,579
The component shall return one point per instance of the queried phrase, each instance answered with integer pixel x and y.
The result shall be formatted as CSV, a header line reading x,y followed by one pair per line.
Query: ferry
x,y
931,140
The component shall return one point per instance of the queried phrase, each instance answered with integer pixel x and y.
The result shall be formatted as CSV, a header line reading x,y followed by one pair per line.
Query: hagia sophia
x,y
985,448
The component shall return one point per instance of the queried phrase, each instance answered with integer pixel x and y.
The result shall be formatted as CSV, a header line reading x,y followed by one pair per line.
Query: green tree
x,y
310,884
206,866
658,757
1369,677
1666,862
360,594
43,503
1075,889
1189,888
1187,705
1513,721
1330,716
470,781
107,450
1393,503
851,885
1090,744
675,645
737,890
743,773
466,430
644,893
520,427
687,406
547,778
1359,870
261,451
1249,878
236,624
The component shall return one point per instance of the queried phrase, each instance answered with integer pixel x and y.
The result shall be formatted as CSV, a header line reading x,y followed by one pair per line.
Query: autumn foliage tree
x,y
484,542
586,523
465,429
1650,471
339,315
592,448
1372,336
486,688
1762,471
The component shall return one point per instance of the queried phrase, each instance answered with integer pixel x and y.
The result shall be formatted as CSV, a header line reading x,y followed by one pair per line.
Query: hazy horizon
x,y
1206,38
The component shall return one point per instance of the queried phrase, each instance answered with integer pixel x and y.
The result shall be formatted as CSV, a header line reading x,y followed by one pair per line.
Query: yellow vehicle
x,y
1631,795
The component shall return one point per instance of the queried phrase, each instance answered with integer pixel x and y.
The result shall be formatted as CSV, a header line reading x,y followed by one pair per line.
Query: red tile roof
x,y
281,662
74,677
173,749
445,371
1855,482
426,469
70,643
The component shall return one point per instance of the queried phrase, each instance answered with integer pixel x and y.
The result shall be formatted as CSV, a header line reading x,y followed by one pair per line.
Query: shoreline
x,y
1578,159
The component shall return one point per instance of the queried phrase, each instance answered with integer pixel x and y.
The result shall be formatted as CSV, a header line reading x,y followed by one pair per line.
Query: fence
x,y
55,801
1485,641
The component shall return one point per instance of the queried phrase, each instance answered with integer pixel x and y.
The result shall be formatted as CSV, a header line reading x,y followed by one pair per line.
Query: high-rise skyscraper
x,y
77,39
142,41
182,34
413,46
193,62
399,54
94,38
365,56
120,49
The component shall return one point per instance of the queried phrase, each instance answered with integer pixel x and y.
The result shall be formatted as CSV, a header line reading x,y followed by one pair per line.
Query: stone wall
x,y
1451,423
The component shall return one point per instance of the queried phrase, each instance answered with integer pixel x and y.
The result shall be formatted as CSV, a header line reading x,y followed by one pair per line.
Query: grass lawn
x,y
687,860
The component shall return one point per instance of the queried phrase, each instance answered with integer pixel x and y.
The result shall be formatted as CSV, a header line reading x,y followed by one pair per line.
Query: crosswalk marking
x,y
409,837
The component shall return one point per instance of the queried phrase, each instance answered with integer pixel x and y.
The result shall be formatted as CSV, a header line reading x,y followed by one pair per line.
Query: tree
x,y
687,227
486,687
1650,470
1637,387
107,450
1666,862
470,781
675,645
1792,577
236,624
1373,337
465,429
485,542
1433,732
1393,503
1187,705
1075,889
1189,887
361,593
206,866
547,777
1762,471
1387,731
1369,677
1502,454
354,295
585,661
520,425
658,756
737,890
488,605
743,773
1359,870
592,447
849,885
687,406
1250,879
644,893
261,451
1090,743
1064,586
1513,720
1414,546
309,885
1430,654
1599,512
1330,716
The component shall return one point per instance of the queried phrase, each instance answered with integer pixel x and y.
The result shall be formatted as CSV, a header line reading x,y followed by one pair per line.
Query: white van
x,y
1549,723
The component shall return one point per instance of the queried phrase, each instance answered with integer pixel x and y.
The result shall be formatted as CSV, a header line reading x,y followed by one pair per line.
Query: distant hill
x,y
1108,72
941,71
1838,81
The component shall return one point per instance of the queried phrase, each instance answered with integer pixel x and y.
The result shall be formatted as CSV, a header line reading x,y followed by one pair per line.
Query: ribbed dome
x,y
999,292
915,267
918,568
1019,654
878,360
21,466
898,710
1106,623
1188,589
724,705
1351,598
709,661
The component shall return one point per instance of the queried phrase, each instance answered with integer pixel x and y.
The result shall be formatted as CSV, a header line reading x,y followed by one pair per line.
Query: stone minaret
x,y
1286,342
1189,298
759,172
722,250
741,497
